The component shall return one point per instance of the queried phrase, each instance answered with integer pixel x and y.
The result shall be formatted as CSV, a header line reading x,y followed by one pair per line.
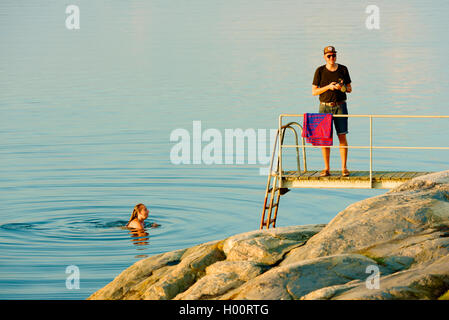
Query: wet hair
x,y
136,211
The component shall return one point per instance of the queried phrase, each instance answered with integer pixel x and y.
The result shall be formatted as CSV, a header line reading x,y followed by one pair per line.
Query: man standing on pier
x,y
331,82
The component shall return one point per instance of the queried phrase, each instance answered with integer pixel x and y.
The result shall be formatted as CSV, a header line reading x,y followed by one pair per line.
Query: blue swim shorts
x,y
340,123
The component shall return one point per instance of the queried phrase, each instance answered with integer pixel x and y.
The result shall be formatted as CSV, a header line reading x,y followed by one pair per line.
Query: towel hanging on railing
x,y
317,129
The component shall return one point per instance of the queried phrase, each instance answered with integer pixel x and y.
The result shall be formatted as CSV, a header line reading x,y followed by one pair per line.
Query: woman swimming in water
x,y
140,213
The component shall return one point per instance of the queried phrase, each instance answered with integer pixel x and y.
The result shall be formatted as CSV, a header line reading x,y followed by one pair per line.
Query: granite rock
x,y
392,246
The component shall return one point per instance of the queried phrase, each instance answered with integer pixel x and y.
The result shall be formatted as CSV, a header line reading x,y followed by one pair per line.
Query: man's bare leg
x,y
343,151
326,156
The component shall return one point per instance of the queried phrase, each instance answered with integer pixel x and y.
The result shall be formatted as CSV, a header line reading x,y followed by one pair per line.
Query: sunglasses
x,y
331,56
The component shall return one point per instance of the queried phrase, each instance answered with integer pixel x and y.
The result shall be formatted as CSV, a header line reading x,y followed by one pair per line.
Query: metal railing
x,y
282,128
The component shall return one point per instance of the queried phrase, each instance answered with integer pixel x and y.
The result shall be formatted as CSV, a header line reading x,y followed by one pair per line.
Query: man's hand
x,y
331,86
334,86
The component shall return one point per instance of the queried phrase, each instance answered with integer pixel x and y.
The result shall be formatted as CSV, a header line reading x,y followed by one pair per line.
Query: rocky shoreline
x,y
392,246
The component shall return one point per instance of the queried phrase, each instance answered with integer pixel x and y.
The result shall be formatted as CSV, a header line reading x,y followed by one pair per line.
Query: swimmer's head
x,y
140,212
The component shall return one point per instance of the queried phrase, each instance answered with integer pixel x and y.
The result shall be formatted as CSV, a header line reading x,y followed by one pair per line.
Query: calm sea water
x,y
86,119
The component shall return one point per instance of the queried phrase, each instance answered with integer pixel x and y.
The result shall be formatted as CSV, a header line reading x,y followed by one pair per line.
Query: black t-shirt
x,y
323,77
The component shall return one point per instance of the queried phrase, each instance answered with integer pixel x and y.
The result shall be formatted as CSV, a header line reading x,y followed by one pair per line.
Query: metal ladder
x,y
274,188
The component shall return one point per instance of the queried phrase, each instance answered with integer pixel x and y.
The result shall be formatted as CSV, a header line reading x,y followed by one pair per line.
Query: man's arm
x,y
348,88
318,90
347,80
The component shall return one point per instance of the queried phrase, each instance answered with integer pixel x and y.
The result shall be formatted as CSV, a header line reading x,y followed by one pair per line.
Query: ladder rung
x,y
274,205
271,221
282,190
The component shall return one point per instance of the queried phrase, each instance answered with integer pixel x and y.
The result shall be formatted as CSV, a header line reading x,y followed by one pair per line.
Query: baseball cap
x,y
329,49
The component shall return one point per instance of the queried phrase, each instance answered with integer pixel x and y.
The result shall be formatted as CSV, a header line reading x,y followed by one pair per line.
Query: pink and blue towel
x,y
317,128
